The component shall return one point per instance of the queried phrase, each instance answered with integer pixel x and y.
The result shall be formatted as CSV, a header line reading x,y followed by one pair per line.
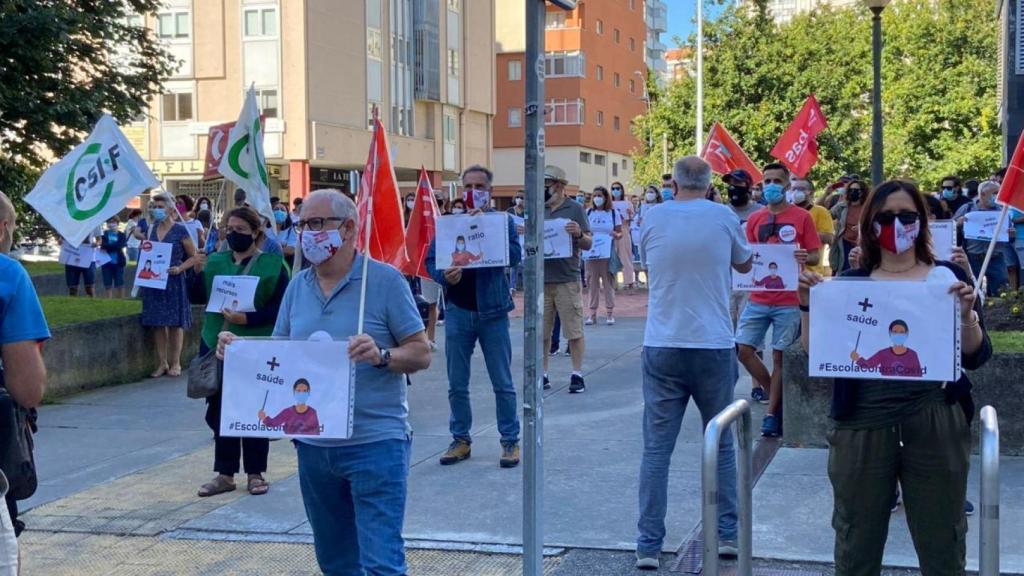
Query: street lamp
x,y
877,156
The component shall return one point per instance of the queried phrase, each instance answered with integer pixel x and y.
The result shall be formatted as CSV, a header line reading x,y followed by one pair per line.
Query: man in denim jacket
x,y
478,302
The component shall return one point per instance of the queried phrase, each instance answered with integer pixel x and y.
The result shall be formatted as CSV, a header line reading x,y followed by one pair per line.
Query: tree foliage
x,y
63,63
939,103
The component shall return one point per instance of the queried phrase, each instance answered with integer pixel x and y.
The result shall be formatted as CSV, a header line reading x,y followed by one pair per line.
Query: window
x,y
566,112
625,164
632,4
453,5
599,26
134,20
267,99
615,123
618,36
616,80
632,86
449,128
632,44
260,22
172,25
177,107
564,64
515,69
374,44
599,72
615,169
599,159
453,62
585,157
515,117
555,19
600,118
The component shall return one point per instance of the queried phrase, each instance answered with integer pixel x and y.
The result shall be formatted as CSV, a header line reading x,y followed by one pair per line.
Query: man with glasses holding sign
x,y
777,223
354,489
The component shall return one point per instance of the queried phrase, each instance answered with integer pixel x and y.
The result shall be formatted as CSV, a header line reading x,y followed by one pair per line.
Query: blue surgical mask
x,y
898,339
948,193
280,216
616,193
301,397
666,194
159,214
460,246
774,193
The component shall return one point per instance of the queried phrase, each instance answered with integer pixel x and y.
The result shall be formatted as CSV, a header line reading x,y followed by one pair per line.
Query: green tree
x,y
63,63
939,85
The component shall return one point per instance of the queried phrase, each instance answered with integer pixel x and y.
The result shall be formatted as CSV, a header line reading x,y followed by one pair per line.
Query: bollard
x,y
738,412
988,562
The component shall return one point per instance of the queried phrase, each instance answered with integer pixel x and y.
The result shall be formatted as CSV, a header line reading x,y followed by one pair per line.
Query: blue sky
x,y
680,18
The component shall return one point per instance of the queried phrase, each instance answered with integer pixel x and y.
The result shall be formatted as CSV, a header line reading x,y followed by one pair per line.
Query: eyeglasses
x,y
317,224
905,217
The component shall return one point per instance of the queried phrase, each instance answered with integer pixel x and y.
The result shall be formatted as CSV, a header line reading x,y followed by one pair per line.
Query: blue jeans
x,y
756,318
355,502
462,330
671,377
996,274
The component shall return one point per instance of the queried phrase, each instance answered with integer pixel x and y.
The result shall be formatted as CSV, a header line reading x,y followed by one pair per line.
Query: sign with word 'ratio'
x,y
774,269
886,330
287,388
477,241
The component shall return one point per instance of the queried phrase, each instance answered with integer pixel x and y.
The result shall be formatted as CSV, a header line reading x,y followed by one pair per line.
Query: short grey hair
x,y
341,205
479,168
692,174
988,184
6,208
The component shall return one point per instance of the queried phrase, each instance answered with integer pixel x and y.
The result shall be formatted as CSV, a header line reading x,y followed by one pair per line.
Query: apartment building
x,y
656,17
595,66
680,64
784,10
319,67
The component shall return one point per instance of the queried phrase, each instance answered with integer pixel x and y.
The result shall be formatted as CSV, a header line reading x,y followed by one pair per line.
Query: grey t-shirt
x,y
745,212
562,270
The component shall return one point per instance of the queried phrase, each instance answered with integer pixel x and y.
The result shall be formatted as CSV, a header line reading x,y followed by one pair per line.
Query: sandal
x,y
174,372
257,485
218,485
159,372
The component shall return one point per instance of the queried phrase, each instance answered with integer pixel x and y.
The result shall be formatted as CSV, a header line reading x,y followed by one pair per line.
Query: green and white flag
x,y
244,162
92,183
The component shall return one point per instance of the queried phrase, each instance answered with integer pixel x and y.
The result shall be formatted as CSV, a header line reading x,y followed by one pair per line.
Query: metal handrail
x,y
988,562
738,412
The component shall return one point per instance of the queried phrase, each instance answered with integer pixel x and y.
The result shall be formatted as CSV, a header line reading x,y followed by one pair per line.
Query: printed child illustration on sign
x,y
154,260
472,241
895,360
774,269
147,272
463,257
298,419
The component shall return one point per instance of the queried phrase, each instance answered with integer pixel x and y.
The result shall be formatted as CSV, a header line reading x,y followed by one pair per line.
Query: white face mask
x,y
598,201
651,196
318,247
410,204
457,210
519,201
799,196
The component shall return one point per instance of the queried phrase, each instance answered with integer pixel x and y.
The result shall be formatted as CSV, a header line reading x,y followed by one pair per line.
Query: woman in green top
x,y
243,234
914,432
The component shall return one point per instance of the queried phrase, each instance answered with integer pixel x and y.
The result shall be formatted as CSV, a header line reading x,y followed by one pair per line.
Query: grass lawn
x,y
63,310
41,268
1007,341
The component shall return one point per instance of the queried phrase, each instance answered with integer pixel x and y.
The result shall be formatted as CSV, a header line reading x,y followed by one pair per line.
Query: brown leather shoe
x,y
509,455
458,451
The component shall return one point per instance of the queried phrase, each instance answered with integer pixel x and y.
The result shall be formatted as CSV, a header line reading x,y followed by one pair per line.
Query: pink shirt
x,y
890,363
294,423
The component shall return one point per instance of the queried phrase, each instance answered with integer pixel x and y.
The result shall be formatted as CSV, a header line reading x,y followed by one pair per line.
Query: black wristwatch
x,y
385,358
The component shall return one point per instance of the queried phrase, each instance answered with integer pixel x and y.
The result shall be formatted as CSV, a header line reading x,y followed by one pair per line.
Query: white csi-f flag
x,y
244,163
92,183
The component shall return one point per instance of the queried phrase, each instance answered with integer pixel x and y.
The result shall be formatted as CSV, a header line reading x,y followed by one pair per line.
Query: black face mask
x,y
853,195
239,242
738,196
547,193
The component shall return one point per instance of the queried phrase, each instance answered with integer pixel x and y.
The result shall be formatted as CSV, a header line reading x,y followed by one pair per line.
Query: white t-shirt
x,y
603,221
689,248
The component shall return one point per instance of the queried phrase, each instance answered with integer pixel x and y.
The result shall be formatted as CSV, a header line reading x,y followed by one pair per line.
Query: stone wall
x,y
806,401
106,352
55,285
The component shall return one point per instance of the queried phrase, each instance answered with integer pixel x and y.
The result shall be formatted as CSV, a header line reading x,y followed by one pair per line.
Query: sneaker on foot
x,y
590,321
567,351
895,502
576,385
457,451
433,346
547,383
771,426
553,352
647,561
509,455
759,395
968,508
728,548
610,321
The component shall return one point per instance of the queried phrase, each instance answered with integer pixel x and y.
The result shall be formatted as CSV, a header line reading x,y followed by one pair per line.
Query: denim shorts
x,y
1010,255
74,275
756,318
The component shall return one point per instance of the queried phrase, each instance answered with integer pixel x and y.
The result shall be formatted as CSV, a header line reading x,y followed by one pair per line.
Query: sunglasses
x,y
906,217
767,230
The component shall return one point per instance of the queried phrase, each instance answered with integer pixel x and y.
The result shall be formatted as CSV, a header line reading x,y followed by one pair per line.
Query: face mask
x,y
738,196
773,193
519,201
301,397
181,208
112,227
547,194
280,216
599,201
948,193
460,246
666,194
239,242
159,214
853,195
318,247
616,193
897,338
581,199
204,206
458,210
773,271
651,196
410,204
799,197
481,199
897,237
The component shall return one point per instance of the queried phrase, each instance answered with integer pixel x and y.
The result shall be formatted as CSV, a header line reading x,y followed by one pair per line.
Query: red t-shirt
x,y
793,225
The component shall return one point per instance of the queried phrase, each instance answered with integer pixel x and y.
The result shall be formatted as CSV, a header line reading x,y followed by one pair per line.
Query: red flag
x,y
798,146
725,155
1011,191
422,225
380,204
216,146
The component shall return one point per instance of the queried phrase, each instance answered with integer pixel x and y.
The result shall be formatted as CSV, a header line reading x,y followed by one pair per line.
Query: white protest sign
x,y
92,183
277,389
76,256
557,242
236,293
520,223
478,241
154,260
943,238
774,269
623,208
981,225
102,258
601,248
885,330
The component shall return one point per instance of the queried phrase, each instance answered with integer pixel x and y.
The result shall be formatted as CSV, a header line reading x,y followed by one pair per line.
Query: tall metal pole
x,y
988,556
700,76
664,153
533,303
877,159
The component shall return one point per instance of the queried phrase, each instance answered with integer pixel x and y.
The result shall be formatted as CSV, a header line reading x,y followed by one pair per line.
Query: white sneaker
x,y
433,347
590,321
610,321
647,562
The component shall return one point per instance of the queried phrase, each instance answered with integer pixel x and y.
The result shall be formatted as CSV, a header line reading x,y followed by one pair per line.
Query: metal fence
x,y
738,412
989,550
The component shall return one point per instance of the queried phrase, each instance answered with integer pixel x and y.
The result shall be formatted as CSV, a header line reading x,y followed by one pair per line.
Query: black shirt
x,y
463,294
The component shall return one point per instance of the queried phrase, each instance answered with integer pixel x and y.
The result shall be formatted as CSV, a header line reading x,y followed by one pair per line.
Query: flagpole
x,y
991,249
369,226
700,75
